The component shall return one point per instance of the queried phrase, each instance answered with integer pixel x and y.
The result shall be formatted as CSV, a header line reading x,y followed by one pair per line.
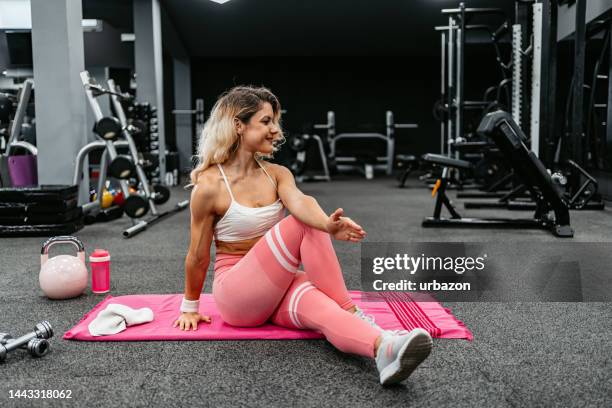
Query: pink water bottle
x,y
100,271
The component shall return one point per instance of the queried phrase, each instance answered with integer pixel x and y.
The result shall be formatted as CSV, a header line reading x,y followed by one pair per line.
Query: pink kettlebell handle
x,y
62,239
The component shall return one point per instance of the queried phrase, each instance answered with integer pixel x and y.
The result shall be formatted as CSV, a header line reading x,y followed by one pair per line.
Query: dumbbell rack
x,y
143,117
148,194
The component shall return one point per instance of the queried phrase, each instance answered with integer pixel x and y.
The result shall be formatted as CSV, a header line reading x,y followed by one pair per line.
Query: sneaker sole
x,y
408,359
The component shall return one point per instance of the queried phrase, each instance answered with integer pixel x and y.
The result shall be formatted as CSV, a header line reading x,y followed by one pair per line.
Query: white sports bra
x,y
241,223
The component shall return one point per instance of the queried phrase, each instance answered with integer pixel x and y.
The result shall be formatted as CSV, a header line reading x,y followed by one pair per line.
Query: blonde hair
x,y
219,138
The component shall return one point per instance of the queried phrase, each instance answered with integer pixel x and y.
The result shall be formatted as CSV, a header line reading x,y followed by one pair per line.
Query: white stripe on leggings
x,y
278,255
294,311
279,238
293,300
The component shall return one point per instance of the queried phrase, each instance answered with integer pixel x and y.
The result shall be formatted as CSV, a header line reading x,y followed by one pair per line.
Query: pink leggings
x,y
265,284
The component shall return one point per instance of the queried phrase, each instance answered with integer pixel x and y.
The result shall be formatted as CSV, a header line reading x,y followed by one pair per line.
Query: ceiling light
x,y
91,25
220,1
128,37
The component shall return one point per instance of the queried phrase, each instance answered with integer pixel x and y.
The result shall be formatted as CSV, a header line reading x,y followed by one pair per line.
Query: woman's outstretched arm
x,y
306,209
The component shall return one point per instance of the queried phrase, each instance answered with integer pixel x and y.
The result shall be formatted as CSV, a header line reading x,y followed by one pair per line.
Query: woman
x,y
238,199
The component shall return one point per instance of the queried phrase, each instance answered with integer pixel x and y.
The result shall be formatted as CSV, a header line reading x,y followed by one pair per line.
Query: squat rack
x,y
453,39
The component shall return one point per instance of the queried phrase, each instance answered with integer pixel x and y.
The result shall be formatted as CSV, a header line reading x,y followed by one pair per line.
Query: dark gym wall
x,y
4,58
102,49
358,89
105,49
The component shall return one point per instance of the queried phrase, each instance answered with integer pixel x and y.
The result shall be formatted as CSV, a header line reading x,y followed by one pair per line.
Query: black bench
x,y
441,160
508,137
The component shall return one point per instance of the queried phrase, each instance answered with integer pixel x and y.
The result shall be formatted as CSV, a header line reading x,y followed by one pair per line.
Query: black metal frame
x,y
548,81
609,113
457,221
509,138
456,65
576,140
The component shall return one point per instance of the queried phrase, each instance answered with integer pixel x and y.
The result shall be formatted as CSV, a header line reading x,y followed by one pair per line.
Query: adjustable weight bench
x,y
551,211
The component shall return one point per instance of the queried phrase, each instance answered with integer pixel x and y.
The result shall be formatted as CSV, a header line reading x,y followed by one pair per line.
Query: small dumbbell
x,y
35,342
36,347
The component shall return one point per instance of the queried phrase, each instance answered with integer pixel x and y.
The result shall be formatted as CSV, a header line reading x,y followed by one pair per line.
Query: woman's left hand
x,y
343,228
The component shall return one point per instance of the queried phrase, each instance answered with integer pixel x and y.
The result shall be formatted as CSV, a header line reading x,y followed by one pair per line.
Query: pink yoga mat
x,y
392,311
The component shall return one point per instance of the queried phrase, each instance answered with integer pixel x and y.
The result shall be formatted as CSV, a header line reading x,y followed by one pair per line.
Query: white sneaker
x,y
398,356
370,320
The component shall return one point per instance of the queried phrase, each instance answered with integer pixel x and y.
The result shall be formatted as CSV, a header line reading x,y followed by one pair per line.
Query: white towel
x,y
116,317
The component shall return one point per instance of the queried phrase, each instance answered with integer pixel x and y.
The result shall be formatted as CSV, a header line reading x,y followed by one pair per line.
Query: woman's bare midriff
x,y
235,248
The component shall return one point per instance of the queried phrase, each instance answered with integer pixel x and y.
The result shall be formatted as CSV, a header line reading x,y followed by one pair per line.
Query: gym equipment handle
x,y
142,225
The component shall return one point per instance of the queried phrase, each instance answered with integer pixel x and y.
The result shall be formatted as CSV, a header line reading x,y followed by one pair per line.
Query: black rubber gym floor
x,y
523,354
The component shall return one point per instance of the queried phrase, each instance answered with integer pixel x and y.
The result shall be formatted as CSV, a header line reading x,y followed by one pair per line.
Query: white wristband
x,y
190,306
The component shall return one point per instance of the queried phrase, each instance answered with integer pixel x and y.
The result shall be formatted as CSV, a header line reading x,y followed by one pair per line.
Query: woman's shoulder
x,y
276,170
211,172
208,183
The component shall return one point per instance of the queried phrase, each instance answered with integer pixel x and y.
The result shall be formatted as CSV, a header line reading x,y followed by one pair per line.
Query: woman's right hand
x,y
343,228
190,319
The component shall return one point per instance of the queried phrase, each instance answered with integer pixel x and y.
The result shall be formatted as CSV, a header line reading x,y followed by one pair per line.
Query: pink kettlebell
x,y
63,276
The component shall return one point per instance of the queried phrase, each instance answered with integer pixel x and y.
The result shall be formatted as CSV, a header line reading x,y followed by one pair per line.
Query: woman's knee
x,y
291,222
